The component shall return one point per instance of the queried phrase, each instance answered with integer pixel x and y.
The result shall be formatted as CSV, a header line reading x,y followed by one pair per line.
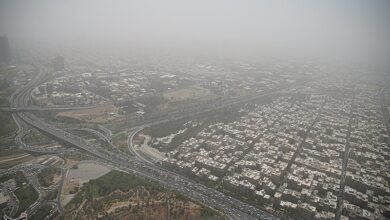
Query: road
x,y
232,207
37,108
339,207
385,112
131,147
61,185
193,190
21,98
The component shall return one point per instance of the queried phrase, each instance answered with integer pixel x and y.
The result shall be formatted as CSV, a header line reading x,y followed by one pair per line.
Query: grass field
x,y
120,141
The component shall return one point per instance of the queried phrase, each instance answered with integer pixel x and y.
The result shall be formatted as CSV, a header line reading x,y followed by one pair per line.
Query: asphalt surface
x,y
233,208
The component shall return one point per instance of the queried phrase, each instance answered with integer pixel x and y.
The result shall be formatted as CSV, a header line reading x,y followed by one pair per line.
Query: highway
x,y
131,148
61,185
196,191
229,208
340,196
21,97
95,133
37,108
232,207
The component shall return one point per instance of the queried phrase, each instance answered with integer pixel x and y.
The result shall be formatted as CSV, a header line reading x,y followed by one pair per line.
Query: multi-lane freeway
x,y
38,108
233,208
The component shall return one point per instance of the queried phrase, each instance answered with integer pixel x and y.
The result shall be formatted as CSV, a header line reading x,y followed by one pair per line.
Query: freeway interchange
x,y
231,207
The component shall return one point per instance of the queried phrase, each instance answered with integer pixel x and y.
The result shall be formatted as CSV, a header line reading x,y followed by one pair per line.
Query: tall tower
x,y
5,51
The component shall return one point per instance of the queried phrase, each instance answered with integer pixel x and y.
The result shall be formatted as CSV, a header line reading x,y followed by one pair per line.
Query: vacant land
x,y
78,175
98,114
87,171
117,195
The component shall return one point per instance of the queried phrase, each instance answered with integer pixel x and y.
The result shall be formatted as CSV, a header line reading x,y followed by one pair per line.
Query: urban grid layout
x,y
212,110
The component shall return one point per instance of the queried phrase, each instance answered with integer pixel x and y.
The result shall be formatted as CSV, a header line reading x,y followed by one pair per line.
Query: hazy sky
x,y
345,28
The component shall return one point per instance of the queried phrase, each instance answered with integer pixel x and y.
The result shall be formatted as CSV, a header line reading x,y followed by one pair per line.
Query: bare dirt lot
x,y
99,114
78,175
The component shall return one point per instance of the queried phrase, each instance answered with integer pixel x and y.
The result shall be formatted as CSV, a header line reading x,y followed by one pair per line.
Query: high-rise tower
x,y
5,51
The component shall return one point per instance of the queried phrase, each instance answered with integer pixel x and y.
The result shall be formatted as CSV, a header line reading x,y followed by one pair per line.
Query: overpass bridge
x,y
38,108
63,135
210,197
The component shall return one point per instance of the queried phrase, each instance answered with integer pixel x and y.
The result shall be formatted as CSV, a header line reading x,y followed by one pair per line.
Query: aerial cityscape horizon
x,y
195,110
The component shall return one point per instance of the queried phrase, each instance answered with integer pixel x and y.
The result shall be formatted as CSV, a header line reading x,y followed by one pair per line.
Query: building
x,y
58,63
5,51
